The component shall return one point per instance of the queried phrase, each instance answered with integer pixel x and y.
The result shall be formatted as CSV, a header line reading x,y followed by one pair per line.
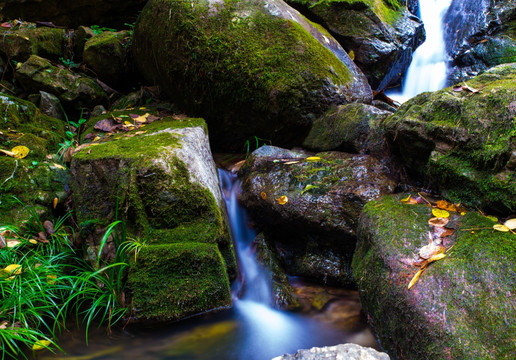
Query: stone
x,y
73,90
164,184
381,34
50,105
461,306
316,228
80,36
460,142
338,352
237,65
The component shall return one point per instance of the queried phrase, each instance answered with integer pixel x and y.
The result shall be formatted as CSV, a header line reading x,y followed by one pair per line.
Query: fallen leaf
x,y
492,218
351,55
437,257
6,25
51,279
61,167
20,151
440,213
511,224
313,158
414,279
308,187
500,227
437,221
291,162
13,269
49,227
41,344
33,242
427,251
13,243
445,205
443,232
107,125
412,200
457,88
282,200
263,195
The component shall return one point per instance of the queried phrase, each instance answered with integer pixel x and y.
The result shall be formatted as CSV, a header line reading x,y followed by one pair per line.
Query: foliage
x,y
68,63
99,30
254,143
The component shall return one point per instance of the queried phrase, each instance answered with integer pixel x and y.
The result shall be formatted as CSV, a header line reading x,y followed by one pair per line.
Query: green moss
x,y
173,281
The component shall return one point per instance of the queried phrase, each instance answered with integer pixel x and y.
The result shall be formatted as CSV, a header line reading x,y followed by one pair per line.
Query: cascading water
x,y
427,71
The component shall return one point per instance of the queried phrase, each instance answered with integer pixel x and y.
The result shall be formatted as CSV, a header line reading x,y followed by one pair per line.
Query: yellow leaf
x,y
13,269
308,187
51,279
263,195
313,158
414,279
32,241
141,118
20,151
352,55
291,162
500,227
437,257
41,344
12,243
282,200
492,218
59,166
511,223
406,200
440,213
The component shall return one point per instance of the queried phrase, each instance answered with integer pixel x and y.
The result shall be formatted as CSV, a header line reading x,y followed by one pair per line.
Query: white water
x,y
427,71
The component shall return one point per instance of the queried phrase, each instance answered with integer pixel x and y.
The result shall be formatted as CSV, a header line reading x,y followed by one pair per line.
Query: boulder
x,y
480,34
461,141
381,34
73,90
309,208
50,105
461,306
238,64
163,182
345,351
22,40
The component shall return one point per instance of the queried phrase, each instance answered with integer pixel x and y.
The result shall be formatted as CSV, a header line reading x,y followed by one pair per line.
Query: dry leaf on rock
x,y
282,200
500,227
511,224
440,213
438,221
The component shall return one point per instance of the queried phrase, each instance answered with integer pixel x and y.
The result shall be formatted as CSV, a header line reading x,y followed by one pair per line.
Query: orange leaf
x,y
414,279
263,195
282,200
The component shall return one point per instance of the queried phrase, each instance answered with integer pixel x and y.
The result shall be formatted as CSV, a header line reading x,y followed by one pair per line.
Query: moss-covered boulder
x,y
163,182
21,40
310,208
107,55
382,34
461,307
352,128
250,68
462,140
32,180
73,90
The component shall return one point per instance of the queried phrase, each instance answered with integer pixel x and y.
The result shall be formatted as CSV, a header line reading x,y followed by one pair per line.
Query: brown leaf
x,y
445,205
443,232
107,125
49,227
436,221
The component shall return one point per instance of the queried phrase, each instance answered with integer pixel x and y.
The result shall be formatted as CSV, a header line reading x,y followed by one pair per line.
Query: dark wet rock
x,y
350,128
345,351
315,230
461,142
460,308
238,64
80,36
480,34
413,6
107,55
23,39
50,105
381,34
73,13
73,90
164,184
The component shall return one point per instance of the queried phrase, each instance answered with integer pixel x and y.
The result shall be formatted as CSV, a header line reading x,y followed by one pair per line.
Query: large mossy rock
x,y
250,68
462,142
315,229
461,307
479,34
164,184
382,34
73,90
32,180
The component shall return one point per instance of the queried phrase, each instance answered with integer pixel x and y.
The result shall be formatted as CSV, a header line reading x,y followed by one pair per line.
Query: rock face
x,y
73,13
461,142
480,34
460,308
237,65
315,229
381,34
165,184
338,352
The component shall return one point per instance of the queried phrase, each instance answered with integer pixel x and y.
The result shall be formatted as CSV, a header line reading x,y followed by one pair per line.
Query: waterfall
x,y
428,69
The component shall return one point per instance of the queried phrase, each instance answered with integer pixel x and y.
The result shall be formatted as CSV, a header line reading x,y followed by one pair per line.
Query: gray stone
x,y
338,352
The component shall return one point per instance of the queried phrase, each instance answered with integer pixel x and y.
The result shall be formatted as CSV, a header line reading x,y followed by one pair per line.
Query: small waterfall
x,y
427,71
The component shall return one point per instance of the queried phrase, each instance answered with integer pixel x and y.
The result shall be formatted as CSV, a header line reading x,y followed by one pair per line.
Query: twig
x,y
480,228
12,175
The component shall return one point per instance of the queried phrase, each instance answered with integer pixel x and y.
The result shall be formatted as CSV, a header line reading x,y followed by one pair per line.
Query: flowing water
x,y
251,330
428,69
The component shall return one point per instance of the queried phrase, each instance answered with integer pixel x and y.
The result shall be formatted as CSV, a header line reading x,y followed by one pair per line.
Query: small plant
x,y
99,30
68,63
254,143
71,139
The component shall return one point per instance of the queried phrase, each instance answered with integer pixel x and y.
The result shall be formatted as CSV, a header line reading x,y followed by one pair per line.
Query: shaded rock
x,y
237,65
25,39
480,34
461,143
107,55
345,351
73,90
80,37
381,34
350,128
50,105
73,13
164,184
460,308
315,229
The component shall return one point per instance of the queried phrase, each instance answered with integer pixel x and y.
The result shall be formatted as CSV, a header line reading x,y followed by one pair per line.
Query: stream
x,y
251,330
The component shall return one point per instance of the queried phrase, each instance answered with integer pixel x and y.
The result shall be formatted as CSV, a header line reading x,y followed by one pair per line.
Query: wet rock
x,y
314,230
164,184
80,37
461,307
460,141
107,55
381,34
22,40
480,34
50,105
345,351
350,128
237,65
73,90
